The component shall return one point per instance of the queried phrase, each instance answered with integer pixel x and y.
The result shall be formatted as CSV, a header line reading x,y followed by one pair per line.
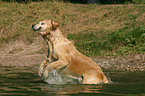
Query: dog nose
x,y
33,25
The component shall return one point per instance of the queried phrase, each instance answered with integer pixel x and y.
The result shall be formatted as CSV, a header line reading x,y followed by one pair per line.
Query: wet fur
x,y
63,53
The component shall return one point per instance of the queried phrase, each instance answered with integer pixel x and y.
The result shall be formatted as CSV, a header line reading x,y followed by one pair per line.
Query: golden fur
x,y
63,52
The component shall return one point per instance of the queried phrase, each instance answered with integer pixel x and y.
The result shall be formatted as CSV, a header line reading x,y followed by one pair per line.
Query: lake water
x,y
24,81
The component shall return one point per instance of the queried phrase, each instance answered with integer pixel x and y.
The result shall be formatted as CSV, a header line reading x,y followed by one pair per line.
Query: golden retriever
x,y
63,53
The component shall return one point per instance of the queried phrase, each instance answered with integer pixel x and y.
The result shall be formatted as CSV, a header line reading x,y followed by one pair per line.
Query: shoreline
x,y
130,63
19,54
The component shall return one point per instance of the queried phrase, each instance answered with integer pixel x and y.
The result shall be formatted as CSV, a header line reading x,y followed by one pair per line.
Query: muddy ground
x,y
20,54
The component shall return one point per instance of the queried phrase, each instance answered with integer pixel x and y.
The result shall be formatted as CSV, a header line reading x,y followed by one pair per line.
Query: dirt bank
x,y
20,54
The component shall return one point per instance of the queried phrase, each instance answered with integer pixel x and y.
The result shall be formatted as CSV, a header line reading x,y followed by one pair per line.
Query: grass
x,y
95,29
120,42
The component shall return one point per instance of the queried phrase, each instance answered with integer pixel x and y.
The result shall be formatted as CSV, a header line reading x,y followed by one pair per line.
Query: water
x,y
55,77
24,81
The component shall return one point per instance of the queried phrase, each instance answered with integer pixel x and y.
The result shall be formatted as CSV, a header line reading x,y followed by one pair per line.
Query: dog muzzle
x,y
35,29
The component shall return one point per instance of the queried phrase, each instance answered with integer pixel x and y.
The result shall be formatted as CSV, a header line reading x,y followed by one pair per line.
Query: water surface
x,y
24,81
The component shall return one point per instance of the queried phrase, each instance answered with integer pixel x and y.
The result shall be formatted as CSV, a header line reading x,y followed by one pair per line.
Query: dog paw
x,y
45,74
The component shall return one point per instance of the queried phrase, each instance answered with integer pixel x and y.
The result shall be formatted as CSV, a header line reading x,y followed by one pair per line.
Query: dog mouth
x,y
35,29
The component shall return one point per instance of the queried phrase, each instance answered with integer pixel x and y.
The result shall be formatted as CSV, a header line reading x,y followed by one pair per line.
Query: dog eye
x,y
42,23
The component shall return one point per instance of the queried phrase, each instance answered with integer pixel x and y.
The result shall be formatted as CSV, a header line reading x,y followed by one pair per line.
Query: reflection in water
x,y
23,82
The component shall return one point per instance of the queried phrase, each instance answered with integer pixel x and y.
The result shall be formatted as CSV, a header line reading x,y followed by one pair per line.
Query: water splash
x,y
55,77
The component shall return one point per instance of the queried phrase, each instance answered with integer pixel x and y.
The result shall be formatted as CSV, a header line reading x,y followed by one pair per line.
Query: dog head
x,y
45,27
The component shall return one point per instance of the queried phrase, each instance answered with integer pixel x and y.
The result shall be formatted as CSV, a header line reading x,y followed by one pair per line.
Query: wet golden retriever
x,y
63,53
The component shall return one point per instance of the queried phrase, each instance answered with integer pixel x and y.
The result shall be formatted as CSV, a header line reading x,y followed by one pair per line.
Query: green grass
x,y
95,29
120,42
139,1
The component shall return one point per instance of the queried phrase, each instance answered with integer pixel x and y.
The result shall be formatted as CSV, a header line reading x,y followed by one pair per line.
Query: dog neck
x,y
57,37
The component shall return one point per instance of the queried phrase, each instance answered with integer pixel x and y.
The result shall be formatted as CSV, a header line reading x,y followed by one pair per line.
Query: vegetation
x,y
120,42
84,1
95,29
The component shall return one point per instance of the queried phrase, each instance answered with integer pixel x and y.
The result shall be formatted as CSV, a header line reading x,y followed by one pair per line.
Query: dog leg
x,y
50,56
41,67
55,65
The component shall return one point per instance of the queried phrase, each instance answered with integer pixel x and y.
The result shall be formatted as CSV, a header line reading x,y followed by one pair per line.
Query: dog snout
x,y
33,26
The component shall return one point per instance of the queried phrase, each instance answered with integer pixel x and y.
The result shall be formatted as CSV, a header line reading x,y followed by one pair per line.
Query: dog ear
x,y
54,25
